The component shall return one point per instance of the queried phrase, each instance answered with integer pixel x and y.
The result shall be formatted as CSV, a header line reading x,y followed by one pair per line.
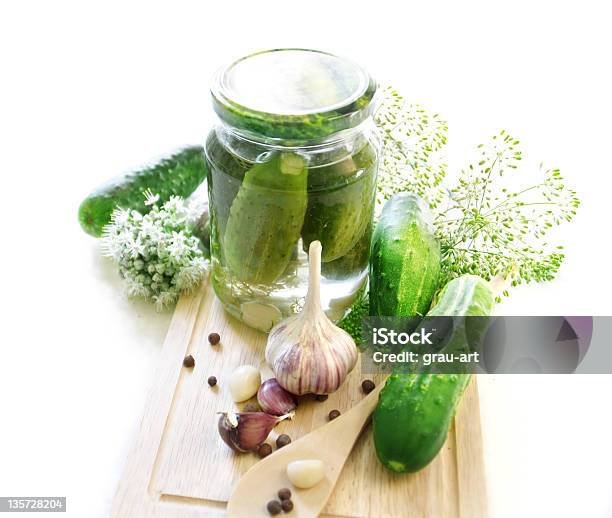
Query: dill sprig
x,y
414,144
487,229
352,322
483,227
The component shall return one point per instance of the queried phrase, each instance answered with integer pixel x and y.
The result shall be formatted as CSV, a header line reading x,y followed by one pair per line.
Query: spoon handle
x,y
349,425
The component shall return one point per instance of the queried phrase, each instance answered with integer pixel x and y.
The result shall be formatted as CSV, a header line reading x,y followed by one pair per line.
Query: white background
x,y
88,89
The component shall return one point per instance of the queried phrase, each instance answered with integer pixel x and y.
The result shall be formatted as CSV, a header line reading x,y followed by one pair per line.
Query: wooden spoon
x,y
332,443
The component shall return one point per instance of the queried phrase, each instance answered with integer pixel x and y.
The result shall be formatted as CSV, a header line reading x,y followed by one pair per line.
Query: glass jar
x,y
293,159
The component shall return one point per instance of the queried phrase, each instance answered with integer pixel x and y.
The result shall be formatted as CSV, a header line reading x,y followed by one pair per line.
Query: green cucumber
x,y
467,295
178,174
265,219
354,262
201,230
226,172
340,203
414,411
404,260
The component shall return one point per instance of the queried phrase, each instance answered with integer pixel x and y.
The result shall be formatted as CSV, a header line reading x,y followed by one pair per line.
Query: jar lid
x,y
293,94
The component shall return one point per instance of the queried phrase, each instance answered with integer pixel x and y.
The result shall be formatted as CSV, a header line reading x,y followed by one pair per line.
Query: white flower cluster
x,y
157,254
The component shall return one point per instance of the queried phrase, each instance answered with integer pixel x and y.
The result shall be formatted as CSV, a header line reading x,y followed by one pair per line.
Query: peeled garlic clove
x,y
307,473
244,383
245,431
307,352
274,399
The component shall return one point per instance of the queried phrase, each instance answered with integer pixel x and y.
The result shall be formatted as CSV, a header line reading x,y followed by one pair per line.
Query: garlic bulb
x,y
307,352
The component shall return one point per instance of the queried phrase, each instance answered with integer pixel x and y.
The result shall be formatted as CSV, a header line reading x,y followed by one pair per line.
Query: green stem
x,y
522,205
516,195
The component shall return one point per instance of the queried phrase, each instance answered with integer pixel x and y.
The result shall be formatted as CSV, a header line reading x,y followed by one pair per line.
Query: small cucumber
x,y
340,203
353,262
226,172
405,259
201,230
468,295
414,411
265,219
178,174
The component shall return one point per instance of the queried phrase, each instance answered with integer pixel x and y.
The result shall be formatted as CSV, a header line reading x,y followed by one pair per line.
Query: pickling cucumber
x,y
404,260
201,230
340,203
414,411
353,262
178,174
226,172
265,219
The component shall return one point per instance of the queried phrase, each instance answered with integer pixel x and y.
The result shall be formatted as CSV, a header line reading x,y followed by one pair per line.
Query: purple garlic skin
x,y
274,399
316,360
307,352
246,431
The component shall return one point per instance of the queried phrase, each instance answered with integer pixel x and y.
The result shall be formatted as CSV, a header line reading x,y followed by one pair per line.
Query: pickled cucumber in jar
x,y
355,260
265,218
226,172
340,203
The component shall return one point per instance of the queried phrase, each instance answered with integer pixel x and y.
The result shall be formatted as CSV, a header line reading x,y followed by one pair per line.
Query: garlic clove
x,y
307,352
244,383
274,399
306,473
246,431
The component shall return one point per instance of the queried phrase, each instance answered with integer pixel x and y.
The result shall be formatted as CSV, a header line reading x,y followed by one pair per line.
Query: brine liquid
x,y
339,211
288,294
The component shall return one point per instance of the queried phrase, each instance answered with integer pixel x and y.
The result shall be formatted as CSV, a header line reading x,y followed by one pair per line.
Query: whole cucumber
x,y
353,262
414,411
266,218
405,259
225,174
178,174
340,203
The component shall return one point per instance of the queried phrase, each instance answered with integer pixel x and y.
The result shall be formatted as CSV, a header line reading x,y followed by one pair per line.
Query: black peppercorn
x,y
214,338
287,505
274,507
189,362
264,450
367,386
333,414
212,381
284,493
282,440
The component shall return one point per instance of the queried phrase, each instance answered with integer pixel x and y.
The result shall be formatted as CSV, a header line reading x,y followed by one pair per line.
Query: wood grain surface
x,y
179,467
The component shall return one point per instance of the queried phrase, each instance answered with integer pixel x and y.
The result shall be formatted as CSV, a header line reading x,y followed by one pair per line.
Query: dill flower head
x,y
158,255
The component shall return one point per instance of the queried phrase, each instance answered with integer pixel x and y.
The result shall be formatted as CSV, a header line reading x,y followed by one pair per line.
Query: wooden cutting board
x,y
179,467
